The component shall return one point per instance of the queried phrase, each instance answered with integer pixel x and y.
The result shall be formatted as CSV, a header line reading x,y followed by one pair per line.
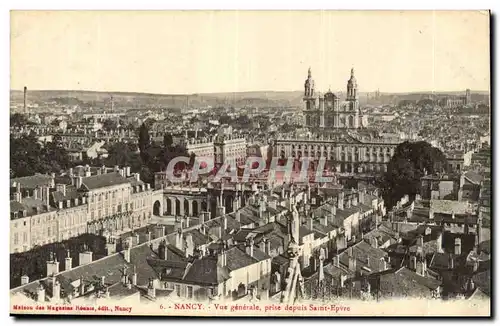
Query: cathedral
x,y
327,112
337,131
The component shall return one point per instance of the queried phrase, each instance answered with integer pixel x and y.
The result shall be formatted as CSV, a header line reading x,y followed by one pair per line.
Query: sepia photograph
x,y
235,163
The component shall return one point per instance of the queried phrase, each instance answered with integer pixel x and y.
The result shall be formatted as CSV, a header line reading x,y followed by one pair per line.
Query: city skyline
x,y
111,51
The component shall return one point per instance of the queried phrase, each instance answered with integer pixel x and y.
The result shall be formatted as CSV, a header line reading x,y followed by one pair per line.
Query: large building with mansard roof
x,y
337,130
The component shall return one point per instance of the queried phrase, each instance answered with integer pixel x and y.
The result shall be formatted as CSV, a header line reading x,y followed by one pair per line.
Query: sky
x,y
184,52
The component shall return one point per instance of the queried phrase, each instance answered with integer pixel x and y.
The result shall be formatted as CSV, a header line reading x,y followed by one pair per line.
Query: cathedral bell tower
x,y
309,100
352,87
353,119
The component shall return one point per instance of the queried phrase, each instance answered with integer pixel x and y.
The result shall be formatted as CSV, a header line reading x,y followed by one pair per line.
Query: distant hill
x,y
236,99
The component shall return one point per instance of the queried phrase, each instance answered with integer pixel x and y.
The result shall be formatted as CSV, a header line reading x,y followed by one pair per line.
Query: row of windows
x,y
16,238
342,148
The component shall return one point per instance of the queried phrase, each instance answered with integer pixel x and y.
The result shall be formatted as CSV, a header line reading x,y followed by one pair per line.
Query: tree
x,y
411,161
192,160
28,157
109,125
167,140
18,120
144,143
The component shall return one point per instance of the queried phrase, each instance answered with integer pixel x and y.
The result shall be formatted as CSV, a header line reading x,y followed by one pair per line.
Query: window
x,y
16,238
189,292
178,290
48,231
24,223
25,237
15,225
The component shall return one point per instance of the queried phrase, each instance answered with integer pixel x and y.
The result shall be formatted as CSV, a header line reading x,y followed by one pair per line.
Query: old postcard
x,y
250,163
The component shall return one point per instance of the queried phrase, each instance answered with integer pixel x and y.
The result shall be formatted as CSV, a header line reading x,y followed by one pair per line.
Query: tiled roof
x,y
71,193
474,177
206,271
30,205
104,180
33,181
120,290
405,283
366,256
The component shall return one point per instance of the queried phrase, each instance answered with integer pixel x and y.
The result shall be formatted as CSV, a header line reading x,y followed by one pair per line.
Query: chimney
x,y
88,173
310,223
450,262
420,241
333,210
431,214
151,289
82,287
268,247
25,279
458,246
439,242
262,245
40,294
336,261
116,168
134,277
85,257
25,99
110,246
238,216
249,247
413,262
340,203
314,265
324,220
68,261
162,250
361,194
127,171
352,261
149,237
221,259
273,203
56,290
126,252
137,177
70,173
78,181
421,267
52,266
179,240
189,245
343,278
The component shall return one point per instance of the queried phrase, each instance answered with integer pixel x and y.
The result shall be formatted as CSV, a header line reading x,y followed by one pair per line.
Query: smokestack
x,y
25,99
458,246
